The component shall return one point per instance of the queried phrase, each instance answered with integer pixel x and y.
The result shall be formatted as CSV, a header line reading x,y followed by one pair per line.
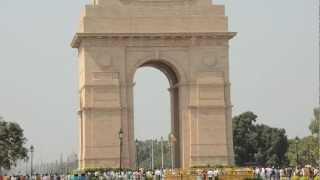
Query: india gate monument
x,y
187,40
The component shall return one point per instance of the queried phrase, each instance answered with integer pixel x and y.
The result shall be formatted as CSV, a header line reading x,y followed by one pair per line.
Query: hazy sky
x,y
274,67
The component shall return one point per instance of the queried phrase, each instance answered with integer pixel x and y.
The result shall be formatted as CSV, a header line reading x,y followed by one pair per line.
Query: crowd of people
x,y
108,175
286,173
268,173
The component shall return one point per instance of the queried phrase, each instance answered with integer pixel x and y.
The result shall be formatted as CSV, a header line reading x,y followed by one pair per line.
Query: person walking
x,y
157,174
210,174
204,175
282,173
277,174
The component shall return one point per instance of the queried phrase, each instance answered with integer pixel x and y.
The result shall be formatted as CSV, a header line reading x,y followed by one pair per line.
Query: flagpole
x,y
161,152
152,155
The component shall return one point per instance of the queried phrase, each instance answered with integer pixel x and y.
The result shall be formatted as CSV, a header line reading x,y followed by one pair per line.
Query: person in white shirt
x,y
216,173
282,173
268,172
257,172
157,174
263,173
210,174
316,172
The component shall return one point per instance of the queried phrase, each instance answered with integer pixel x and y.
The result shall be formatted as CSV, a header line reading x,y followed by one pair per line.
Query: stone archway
x,y
173,77
189,41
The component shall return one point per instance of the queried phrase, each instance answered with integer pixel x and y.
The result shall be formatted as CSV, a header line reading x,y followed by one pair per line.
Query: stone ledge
x,y
216,35
210,106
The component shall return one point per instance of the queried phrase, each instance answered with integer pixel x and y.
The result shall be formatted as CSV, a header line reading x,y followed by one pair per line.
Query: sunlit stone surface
x,y
188,40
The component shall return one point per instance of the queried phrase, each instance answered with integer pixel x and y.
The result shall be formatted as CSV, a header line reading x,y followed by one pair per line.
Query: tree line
x,y
254,144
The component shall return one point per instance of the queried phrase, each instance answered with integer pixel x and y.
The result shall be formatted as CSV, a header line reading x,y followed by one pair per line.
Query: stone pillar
x,y
100,109
209,125
175,124
227,97
128,125
229,129
185,128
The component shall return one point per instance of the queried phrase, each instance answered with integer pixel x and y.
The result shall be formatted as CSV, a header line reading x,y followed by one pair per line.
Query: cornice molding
x,y
212,107
106,86
192,36
145,2
108,109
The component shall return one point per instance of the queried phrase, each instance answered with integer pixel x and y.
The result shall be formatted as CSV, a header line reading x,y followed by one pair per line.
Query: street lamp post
x,y
297,154
121,143
31,160
137,153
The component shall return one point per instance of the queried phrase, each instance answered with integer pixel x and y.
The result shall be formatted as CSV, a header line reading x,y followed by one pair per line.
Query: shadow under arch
x,y
165,67
174,78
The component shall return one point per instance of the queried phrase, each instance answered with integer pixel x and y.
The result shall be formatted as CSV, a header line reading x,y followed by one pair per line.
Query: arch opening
x,y
170,107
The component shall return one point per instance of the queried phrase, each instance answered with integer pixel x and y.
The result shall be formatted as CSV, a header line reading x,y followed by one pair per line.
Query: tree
x,y
244,138
258,143
306,149
315,123
272,146
12,143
